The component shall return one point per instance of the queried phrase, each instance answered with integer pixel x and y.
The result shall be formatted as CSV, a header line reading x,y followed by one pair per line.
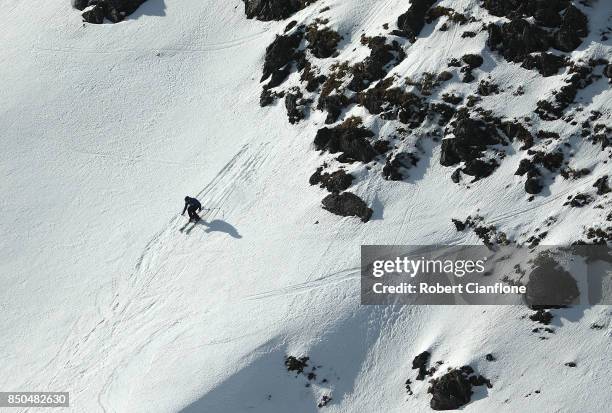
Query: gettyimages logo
x,y
430,275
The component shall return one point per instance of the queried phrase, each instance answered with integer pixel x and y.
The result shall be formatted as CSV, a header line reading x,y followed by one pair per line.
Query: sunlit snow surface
x,y
105,128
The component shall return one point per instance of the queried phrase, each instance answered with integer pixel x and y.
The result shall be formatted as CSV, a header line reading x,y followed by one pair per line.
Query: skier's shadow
x,y
217,225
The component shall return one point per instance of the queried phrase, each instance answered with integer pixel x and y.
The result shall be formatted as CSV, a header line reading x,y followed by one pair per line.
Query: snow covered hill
x,y
106,127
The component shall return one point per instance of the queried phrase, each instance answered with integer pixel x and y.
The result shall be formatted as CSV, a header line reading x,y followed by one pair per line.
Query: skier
x,y
191,205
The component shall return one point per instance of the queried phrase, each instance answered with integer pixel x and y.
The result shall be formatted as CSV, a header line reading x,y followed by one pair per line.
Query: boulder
x,y
473,60
550,285
93,14
79,4
518,38
450,391
267,10
352,141
574,26
293,104
280,52
411,23
602,185
533,186
322,43
347,204
547,64
113,10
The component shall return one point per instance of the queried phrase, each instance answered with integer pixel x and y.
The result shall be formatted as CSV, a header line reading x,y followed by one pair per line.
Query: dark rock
x,y
486,88
541,316
113,10
393,168
460,226
347,204
325,399
468,77
517,39
602,185
381,146
525,165
574,26
411,23
280,53
79,4
333,104
444,76
335,182
579,200
420,362
322,42
293,104
374,67
456,175
450,391
266,10
533,186
94,14
473,60
550,284
394,103
479,168
349,140
296,364
547,64
278,77
518,131
471,138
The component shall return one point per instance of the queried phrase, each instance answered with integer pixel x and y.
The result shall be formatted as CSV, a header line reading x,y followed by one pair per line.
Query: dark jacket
x,y
193,203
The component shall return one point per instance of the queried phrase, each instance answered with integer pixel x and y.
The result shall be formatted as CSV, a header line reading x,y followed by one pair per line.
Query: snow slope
x,y
106,128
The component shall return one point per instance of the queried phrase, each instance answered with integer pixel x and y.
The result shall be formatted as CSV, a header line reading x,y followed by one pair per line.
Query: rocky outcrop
x,y
279,54
550,285
322,42
266,10
547,64
450,391
411,22
374,67
334,182
95,11
518,38
471,139
351,141
557,23
347,204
